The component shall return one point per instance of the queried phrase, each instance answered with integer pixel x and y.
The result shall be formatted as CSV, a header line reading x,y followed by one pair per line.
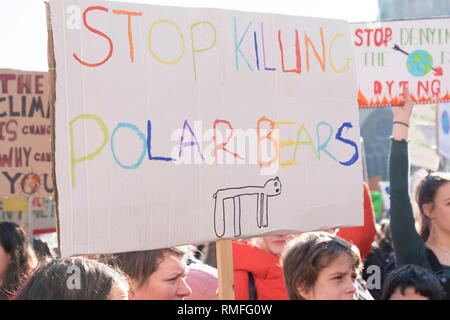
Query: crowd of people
x,y
391,260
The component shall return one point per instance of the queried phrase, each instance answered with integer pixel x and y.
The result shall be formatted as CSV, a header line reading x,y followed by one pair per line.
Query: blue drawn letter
x,y
350,142
149,145
237,45
140,135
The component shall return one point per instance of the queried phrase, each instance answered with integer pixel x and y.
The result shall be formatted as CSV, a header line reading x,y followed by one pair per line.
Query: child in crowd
x,y
17,259
411,282
320,266
74,278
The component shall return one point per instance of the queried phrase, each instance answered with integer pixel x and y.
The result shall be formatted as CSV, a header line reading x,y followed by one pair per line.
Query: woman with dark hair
x,y
430,249
41,249
17,259
75,278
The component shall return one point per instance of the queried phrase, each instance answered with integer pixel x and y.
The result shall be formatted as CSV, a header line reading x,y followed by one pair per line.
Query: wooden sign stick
x,y
52,98
224,253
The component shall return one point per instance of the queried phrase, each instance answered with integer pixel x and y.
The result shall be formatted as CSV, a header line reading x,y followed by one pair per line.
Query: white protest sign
x,y
179,125
443,126
18,210
14,210
43,215
422,128
393,54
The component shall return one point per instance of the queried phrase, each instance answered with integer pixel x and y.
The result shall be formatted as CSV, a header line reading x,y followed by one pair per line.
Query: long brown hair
x,y
14,242
139,265
425,194
304,257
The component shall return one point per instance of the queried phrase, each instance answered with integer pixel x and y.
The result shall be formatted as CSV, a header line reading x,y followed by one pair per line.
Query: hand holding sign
x,y
402,114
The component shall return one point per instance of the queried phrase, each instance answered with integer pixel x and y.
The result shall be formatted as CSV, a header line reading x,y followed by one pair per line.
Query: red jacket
x,y
362,237
266,270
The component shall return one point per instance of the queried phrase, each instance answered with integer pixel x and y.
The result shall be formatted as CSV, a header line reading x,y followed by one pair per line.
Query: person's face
x,y
166,283
5,259
276,244
440,211
335,282
409,294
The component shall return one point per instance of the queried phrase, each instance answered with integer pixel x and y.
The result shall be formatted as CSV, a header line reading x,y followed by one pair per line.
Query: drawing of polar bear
x,y
271,188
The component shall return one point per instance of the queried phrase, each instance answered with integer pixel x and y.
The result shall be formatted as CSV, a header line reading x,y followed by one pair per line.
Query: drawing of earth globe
x,y
419,63
445,122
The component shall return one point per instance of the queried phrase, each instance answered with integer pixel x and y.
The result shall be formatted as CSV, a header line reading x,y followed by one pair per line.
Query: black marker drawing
x,y
271,188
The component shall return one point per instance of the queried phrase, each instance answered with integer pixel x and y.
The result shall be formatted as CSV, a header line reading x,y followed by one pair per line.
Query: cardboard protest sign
x,y
43,217
15,204
25,151
442,119
422,134
178,125
35,214
393,54
13,210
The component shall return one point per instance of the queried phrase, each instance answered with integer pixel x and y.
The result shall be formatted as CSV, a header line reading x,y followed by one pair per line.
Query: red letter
x,y
425,88
10,130
403,85
2,123
222,145
99,33
130,35
387,35
24,82
379,32
377,87
358,33
436,91
368,31
4,79
297,53
389,84
37,85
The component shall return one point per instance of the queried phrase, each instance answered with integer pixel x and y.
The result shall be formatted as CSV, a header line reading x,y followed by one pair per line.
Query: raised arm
x,y
402,115
408,245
